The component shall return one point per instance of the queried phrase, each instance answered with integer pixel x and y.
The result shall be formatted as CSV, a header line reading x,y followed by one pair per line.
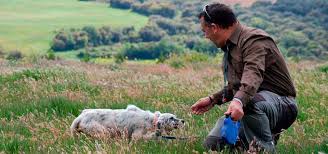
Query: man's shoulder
x,y
251,34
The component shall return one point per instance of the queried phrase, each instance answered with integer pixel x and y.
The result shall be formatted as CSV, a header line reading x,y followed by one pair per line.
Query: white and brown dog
x,y
131,122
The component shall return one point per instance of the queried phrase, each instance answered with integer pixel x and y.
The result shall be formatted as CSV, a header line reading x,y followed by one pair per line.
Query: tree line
x,y
300,29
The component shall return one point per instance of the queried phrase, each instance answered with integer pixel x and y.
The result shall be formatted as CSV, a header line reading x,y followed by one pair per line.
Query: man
x,y
259,87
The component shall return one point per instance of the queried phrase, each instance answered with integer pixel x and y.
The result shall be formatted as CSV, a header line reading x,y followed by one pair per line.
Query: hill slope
x,y
28,25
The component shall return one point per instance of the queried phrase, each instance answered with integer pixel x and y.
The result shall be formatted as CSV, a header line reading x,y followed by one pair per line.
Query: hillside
x,y
244,3
29,25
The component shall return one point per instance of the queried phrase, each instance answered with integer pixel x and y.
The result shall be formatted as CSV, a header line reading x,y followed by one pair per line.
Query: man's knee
x,y
212,143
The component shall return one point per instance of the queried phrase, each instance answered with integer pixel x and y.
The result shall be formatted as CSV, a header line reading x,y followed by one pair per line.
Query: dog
x,y
132,122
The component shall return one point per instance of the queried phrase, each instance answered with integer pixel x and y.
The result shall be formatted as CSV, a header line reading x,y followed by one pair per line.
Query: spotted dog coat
x,y
131,122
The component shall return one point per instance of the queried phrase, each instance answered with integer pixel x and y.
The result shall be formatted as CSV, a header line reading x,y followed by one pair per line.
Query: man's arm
x,y
254,67
218,97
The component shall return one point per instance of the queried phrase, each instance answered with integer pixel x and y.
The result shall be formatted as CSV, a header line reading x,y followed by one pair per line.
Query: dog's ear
x,y
159,125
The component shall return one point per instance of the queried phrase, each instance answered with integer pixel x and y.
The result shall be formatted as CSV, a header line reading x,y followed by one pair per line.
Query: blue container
x,y
229,130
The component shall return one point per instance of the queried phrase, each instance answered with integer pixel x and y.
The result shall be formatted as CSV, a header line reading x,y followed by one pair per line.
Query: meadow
x,y
30,25
40,99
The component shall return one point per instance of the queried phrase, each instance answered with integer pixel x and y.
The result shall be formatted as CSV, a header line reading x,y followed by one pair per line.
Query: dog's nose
x,y
182,121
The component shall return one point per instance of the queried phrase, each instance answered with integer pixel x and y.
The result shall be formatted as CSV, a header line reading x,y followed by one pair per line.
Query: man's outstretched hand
x,y
202,106
235,110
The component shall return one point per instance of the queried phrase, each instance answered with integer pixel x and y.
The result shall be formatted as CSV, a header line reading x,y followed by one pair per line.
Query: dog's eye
x,y
171,118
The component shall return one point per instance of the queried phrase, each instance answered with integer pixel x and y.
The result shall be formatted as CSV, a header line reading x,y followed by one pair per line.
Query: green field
x,y
29,25
40,100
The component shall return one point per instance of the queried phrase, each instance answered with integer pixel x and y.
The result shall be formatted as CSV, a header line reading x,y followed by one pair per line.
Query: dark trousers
x,y
264,118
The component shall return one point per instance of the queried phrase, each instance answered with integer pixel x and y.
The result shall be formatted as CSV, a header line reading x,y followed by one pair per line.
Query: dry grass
x,y
37,106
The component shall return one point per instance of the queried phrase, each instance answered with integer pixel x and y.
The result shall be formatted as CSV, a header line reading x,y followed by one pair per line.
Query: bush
x,y
119,58
175,61
324,69
51,55
87,36
15,55
201,45
151,50
63,41
2,52
171,27
154,8
194,57
151,33
122,4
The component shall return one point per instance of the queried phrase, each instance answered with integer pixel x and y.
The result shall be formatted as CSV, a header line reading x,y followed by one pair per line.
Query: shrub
x,y
324,69
151,33
151,50
2,52
164,9
201,45
15,55
119,58
122,4
51,55
175,61
172,27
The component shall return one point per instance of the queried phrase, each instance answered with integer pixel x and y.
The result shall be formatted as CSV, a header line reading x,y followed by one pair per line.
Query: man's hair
x,y
219,14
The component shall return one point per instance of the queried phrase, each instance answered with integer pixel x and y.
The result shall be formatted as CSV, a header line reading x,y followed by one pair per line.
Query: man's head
x,y
216,22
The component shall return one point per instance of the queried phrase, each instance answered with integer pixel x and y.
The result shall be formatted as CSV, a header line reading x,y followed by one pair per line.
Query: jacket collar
x,y
235,34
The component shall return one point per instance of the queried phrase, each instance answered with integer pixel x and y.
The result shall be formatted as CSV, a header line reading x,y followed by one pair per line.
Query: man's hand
x,y
235,110
202,106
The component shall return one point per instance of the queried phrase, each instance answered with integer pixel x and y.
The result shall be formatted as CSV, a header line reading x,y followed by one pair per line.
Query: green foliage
x,y
34,74
171,27
14,55
122,4
15,144
88,36
195,57
324,69
300,28
52,107
2,52
119,58
175,61
201,45
151,50
164,9
179,61
51,55
151,33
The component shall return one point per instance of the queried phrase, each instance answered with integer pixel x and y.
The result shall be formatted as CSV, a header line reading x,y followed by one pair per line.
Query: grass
x,y
40,100
29,25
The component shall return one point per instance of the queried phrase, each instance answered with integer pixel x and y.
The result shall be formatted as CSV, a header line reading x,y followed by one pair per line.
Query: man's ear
x,y
215,27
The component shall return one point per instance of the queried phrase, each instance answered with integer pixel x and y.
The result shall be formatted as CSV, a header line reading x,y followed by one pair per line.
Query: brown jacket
x,y
254,64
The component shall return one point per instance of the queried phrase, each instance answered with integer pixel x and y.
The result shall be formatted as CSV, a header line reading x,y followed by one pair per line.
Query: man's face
x,y
212,32
206,28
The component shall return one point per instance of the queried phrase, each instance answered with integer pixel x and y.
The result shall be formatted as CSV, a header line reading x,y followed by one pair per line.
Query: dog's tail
x,y
75,126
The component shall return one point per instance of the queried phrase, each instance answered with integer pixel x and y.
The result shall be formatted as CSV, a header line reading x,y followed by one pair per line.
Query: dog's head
x,y
168,122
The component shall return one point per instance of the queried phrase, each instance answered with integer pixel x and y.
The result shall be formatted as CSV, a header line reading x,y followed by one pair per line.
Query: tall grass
x,y
38,103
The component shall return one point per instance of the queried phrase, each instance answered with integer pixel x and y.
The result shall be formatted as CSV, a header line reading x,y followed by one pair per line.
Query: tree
x,y
151,33
94,37
122,4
